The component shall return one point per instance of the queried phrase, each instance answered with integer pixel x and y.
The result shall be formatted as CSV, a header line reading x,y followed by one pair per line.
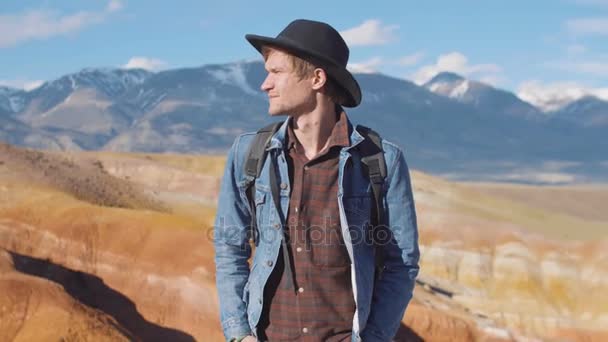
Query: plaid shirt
x,y
323,307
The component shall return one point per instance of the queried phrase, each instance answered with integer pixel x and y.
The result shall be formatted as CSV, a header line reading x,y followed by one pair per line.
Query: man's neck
x,y
313,129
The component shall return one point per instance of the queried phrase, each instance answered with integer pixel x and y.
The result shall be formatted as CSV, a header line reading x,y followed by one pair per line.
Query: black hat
x,y
320,44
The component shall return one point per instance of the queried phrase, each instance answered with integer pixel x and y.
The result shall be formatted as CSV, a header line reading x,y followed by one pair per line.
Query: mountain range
x,y
451,126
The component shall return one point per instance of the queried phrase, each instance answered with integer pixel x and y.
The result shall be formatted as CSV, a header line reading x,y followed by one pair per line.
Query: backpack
x,y
374,166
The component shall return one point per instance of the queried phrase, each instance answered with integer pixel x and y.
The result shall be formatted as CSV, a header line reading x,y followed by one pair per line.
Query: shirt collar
x,y
339,134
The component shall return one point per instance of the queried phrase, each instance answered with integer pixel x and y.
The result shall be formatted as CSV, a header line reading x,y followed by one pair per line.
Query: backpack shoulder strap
x,y
256,155
372,157
257,150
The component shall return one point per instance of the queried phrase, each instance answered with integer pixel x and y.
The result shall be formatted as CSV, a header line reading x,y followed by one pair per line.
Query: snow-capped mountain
x,y
80,108
451,126
193,109
448,84
588,111
11,100
106,82
482,96
111,82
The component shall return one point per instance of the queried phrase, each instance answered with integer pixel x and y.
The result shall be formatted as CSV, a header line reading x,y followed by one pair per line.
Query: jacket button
x,y
269,263
283,186
277,226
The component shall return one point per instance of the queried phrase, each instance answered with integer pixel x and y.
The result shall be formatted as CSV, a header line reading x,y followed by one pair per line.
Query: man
x,y
314,275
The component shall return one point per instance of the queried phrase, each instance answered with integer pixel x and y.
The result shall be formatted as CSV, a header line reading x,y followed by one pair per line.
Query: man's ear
x,y
319,79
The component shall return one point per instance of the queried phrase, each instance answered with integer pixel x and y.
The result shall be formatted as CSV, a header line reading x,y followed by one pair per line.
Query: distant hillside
x,y
451,126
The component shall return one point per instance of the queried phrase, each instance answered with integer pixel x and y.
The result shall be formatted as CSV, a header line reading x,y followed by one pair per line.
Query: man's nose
x,y
267,84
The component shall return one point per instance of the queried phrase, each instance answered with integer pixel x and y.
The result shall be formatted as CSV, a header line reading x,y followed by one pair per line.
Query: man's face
x,y
288,93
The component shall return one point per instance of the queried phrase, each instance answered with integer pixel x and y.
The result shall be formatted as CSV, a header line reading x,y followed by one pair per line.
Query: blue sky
x,y
539,49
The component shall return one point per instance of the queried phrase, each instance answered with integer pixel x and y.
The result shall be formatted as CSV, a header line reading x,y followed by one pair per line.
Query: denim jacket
x,y
381,303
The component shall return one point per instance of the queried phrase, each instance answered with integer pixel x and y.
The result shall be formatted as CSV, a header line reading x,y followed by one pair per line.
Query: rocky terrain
x,y
517,264
115,246
34,308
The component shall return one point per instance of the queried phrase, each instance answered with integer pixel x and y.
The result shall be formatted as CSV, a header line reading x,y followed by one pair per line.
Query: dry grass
x,y
201,164
87,180
535,219
588,202
540,216
39,205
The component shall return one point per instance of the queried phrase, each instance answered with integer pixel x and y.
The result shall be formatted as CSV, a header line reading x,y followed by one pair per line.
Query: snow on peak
x,y
550,97
233,74
126,78
4,91
445,77
448,84
16,103
455,89
110,81
12,99
460,90
585,103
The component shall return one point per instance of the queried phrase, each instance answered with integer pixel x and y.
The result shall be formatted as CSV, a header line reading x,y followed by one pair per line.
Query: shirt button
x,y
296,209
305,330
299,249
269,263
301,289
283,186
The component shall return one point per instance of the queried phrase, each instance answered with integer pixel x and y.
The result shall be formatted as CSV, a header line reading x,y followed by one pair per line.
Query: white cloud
x,y
373,64
411,60
22,83
366,67
114,5
576,49
598,26
43,23
371,32
493,80
552,96
591,67
152,64
458,63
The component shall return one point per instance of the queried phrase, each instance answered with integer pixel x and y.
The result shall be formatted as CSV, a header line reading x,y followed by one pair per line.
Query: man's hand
x,y
249,339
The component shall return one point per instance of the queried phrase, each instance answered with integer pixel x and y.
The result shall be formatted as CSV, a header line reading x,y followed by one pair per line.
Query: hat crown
x,y
318,37
319,44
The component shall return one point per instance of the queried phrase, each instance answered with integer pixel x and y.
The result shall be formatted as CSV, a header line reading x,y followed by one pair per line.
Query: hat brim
x,y
337,72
